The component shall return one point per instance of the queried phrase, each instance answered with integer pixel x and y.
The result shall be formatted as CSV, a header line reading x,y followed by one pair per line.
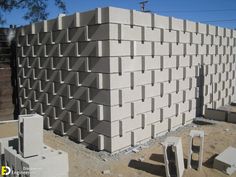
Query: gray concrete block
x,y
30,136
118,68
215,114
196,148
42,165
173,156
225,162
231,117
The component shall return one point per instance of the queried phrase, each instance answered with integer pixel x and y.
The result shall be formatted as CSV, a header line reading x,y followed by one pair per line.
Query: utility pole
x,y
142,6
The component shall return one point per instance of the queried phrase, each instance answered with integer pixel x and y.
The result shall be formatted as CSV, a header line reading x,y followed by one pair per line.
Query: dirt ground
x,y
148,161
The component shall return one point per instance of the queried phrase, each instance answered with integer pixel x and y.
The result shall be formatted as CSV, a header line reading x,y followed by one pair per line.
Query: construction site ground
x,y
145,160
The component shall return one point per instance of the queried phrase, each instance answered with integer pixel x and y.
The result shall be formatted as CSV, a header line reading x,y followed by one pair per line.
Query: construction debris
x,y
141,159
106,172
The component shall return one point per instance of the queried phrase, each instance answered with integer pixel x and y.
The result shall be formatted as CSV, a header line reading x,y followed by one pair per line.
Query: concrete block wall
x,y
113,77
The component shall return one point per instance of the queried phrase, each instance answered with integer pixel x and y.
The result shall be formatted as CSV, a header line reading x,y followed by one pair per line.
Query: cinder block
x,y
190,49
114,68
175,122
196,38
161,21
176,24
201,28
6,142
159,128
169,36
160,49
184,37
225,162
30,141
190,26
176,49
173,156
140,19
196,147
152,34
215,114
231,117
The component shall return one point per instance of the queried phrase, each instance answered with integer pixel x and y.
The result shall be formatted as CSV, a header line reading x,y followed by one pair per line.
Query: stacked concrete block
x,y
27,155
112,77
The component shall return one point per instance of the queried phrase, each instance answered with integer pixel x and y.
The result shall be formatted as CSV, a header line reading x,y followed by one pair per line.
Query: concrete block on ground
x,y
232,117
196,144
226,161
215,114
173,156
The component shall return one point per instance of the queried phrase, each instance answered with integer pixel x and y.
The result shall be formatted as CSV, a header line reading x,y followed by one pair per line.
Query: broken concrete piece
x,y
226,161
141,159
173,156
106,172
135,150
196,149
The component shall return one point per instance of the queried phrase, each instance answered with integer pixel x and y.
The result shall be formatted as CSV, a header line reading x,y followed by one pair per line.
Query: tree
x,y
35,9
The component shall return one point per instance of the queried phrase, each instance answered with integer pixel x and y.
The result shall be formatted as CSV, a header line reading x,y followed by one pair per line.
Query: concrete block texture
x,y
173,156
112,77
196,147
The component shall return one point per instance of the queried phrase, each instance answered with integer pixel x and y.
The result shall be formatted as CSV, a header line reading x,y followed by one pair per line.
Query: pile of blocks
x,y
113,77
27,155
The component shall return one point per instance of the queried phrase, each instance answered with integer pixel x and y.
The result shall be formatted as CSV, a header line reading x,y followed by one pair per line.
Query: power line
x,y
197,11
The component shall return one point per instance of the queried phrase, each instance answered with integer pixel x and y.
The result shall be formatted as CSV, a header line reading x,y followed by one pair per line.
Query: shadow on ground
x,y
209,162
155,169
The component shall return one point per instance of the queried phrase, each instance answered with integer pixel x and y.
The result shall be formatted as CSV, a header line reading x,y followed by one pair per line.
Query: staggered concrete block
x,y
97,75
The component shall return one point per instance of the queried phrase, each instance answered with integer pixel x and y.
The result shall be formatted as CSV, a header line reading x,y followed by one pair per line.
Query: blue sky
x,y
158,6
